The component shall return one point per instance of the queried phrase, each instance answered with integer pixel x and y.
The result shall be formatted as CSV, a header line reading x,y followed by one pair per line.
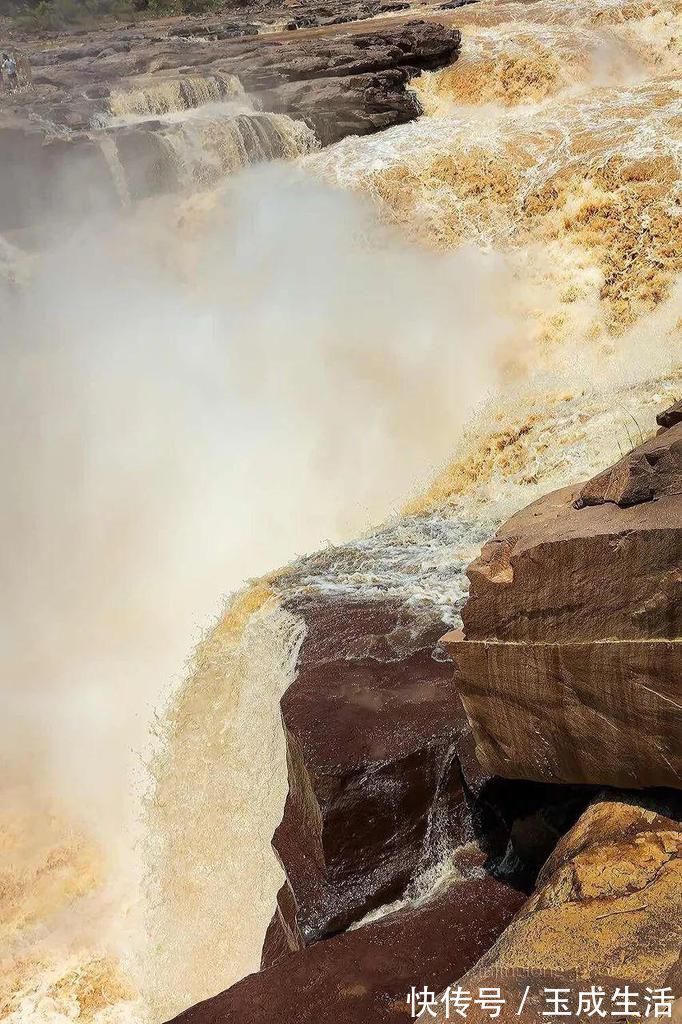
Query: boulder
x,y
607,911
365,974
338,106
570,664
383,783
654,470
371,725
669,417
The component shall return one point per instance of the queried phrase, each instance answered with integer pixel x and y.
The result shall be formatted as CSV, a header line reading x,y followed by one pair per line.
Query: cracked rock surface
x,y
570,665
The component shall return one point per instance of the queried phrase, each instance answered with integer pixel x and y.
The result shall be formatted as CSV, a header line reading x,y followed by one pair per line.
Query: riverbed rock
x,y
104,101
570,664
366,974
73,85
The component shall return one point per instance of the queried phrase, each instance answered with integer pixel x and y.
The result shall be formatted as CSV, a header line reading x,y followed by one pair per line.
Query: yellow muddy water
x,y
553,147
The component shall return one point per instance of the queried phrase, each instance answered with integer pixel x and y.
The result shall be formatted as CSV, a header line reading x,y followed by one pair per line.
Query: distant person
x,y
9,70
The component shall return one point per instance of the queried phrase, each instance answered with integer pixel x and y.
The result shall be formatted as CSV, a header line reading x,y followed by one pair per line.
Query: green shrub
x,y
52,15
198,6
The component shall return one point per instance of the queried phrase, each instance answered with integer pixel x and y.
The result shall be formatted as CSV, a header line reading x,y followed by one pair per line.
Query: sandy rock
x,y
607,911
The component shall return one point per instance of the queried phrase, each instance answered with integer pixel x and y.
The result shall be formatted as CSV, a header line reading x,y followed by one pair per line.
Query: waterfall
x,y
153,98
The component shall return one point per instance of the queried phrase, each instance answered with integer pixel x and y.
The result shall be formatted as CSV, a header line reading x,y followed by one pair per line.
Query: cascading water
x,y
154,98
553,144
213,142
207,128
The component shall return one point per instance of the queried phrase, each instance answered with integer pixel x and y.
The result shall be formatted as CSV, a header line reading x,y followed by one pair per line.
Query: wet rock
x,y
146,163
339,82
365,974
347,83
303,21
355,105
383,782
571,660
371,724
607,911
263,65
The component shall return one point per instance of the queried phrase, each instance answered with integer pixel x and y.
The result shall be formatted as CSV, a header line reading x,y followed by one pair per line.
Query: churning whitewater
x,y
425,329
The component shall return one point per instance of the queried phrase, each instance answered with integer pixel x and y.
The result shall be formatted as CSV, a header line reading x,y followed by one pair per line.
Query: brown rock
x,y
670,416
651,471
74,83
604,712
555,573
570,667
364,975
340,82
371,725
357,105
383,781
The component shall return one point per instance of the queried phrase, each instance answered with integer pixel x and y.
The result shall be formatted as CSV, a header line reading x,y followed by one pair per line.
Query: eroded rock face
x,y
364,975
570,666
607,910
59,141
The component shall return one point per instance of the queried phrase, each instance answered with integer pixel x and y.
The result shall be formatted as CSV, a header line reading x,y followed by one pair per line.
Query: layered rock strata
x,y
570,664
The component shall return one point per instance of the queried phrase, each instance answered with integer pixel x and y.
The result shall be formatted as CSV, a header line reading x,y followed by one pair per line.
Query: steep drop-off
x,y
553,142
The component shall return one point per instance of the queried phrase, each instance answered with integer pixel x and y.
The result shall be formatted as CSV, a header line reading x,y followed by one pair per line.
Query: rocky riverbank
x,y
433,835
117,116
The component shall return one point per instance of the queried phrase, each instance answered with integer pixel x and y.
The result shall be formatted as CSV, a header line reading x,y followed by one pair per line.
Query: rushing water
x,y
541,190
207,128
